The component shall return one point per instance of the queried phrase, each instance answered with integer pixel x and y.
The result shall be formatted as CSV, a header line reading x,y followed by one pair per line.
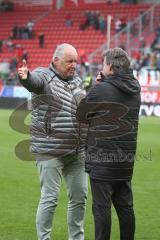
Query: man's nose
x,y
74,64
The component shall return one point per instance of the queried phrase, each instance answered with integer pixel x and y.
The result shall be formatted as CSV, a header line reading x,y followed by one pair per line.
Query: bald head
x,y
65,59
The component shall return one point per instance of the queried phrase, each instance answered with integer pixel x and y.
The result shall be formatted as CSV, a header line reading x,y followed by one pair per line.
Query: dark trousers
x,y
120,194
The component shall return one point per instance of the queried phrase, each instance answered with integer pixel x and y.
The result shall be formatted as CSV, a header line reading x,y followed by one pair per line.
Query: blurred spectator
x,y
82,25
102,24
11,79
41,40
13,64
134,27
146,60
4,68
157,34
86,20
118,25
87,82
96,16
1,44
142,45
93,19
135,64
30,26
158,61
21,31
123,22
2,6
9,6
15,32
153,60
10,45
68,20
84,59
92,16
25,33
6,6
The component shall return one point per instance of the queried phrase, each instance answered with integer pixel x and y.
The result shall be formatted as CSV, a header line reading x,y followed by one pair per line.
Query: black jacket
x,y
111,109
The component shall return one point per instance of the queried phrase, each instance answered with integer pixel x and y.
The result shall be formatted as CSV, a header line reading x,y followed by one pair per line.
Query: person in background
x,y
102,24
88,82
15,32
1,45
41,40
68,20
118,25
111,110
30,26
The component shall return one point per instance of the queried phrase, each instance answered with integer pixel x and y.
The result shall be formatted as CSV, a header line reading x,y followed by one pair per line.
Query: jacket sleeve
x,y
88,105
34,82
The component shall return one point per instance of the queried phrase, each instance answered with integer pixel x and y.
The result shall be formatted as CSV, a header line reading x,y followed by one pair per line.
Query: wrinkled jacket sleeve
x,y
88,105
34,82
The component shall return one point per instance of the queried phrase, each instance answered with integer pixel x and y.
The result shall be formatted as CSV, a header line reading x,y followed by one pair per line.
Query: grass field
x,y
19,189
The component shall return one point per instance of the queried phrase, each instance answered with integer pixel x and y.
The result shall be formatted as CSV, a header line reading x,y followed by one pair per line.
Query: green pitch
x,y
19,189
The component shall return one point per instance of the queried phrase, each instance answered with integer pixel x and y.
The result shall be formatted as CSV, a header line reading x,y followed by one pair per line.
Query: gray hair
x,y
118,59
59,52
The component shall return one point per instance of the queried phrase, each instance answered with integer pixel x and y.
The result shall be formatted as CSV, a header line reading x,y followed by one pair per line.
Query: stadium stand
x,y
51,23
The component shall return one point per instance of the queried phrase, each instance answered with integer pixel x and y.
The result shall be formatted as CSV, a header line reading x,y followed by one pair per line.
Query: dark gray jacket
x,y
54,129
112,110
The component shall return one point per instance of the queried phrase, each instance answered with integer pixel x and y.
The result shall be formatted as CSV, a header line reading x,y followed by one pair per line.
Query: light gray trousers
x,y
51,172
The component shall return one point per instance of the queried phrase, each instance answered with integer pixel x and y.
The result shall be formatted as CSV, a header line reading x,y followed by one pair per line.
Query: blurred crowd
x,y
144,56
97,21
148,56
149,60
23,32
6,6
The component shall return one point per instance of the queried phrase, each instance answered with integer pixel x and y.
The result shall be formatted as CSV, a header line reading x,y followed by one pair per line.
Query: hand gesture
x,y
100,77
23,71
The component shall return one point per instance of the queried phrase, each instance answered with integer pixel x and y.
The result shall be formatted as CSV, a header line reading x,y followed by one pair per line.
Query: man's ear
x,y
111,68
55,60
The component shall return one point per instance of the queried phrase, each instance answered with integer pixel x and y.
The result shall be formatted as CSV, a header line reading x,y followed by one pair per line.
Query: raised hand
x,y
23,71
100,77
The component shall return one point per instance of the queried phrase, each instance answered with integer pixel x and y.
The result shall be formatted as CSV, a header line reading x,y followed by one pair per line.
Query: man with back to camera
x,y
56,139
111,108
